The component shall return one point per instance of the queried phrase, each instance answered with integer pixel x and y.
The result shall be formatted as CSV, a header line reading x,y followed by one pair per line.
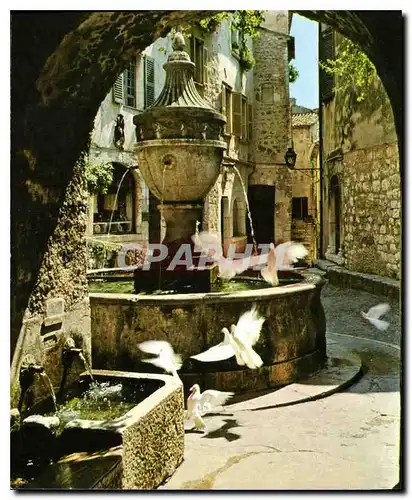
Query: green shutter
x,y
149,81
326,51
237,114
118,89
250,121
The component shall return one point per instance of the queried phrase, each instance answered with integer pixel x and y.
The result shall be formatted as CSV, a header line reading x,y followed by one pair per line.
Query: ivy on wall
x,y
99,176
352,69
293,73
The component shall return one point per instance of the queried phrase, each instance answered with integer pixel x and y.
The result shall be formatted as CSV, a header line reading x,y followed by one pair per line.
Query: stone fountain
x,y
180,150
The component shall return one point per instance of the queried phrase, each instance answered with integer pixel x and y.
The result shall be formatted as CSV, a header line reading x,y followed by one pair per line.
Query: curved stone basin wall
x,y
292,341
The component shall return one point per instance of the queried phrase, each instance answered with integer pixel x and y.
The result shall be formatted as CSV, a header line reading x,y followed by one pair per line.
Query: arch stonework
x,y
59,77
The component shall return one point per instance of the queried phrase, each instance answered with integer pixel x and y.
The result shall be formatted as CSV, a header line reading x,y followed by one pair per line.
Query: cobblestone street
x,y
349,440
342,309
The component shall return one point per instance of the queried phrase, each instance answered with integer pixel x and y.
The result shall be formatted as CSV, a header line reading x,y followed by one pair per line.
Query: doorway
x,y
262,207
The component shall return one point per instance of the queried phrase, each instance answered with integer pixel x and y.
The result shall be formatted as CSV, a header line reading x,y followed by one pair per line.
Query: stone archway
x,y
59,78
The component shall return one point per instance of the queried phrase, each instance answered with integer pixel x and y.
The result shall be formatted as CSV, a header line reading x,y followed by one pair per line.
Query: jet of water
x,y
49,386
252,232
86,364
115,200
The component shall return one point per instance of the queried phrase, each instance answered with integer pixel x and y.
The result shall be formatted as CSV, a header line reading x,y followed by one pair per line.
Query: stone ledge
x,y
372,283
341,370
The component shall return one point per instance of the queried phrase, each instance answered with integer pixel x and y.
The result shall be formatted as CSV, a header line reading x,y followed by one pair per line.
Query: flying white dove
x,y
375,313
199,404
269,272
167,359
208,243
238,342
281,258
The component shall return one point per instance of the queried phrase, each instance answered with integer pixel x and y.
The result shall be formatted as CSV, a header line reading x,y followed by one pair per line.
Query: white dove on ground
x,y
375,313
238,342
167,359
208,243
199,404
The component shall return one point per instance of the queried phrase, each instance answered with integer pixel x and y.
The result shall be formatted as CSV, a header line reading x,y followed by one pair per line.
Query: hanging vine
x,y
352,69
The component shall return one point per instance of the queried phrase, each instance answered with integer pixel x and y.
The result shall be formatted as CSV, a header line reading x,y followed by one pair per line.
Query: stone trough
x,y
142,448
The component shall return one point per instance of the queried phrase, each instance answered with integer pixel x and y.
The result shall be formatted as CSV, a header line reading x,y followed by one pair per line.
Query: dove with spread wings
x,y
238,342
200,403
375,313
166,359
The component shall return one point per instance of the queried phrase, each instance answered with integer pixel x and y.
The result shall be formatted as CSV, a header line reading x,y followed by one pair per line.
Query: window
x,y
326,51
226,107
299,208
124,88
149,81
130,85
113,213
198,55
239,221
234,41
240,119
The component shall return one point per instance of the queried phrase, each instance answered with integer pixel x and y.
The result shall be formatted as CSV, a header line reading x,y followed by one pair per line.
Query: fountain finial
x,y
178,40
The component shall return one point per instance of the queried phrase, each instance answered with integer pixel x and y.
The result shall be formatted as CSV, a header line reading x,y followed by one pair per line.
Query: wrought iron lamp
x,y
290,158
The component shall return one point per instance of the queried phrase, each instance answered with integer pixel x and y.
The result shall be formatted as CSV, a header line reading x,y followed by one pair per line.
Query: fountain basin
x,y
149,438
181,170
292,342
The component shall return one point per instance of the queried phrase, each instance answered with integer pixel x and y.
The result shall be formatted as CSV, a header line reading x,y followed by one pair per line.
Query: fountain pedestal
x,y
180,220
180,150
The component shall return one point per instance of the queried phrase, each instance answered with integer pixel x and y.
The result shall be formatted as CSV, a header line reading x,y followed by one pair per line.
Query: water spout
x,y
70,352
49,386
252,232
28,370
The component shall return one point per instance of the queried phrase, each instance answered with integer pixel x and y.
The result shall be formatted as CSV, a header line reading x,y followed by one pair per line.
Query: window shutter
x,y
250,121
205,61
118,89
237,114
149,81
244,118
223,100
326,51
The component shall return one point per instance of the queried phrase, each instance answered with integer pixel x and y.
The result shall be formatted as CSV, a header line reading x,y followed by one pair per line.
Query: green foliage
x,y
293,73
99,176
352,69
212,23
246,22
102,252
246,59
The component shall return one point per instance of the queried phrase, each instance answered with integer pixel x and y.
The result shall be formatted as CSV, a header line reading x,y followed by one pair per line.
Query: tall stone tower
x,y
270,186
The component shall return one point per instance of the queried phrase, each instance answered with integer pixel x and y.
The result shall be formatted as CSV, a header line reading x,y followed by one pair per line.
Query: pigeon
x,y
238,342
167,359
207,242
269,272
199,404
281,258
375,313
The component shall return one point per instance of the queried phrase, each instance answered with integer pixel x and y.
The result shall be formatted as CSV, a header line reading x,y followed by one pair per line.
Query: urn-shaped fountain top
x,y
180,135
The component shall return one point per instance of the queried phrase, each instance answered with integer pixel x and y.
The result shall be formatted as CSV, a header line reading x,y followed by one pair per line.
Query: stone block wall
x,y
271,114
371,218
304,231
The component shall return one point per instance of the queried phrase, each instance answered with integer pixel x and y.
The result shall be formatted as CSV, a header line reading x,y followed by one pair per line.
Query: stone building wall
x,y
372,224
305,179
360,153
271,117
